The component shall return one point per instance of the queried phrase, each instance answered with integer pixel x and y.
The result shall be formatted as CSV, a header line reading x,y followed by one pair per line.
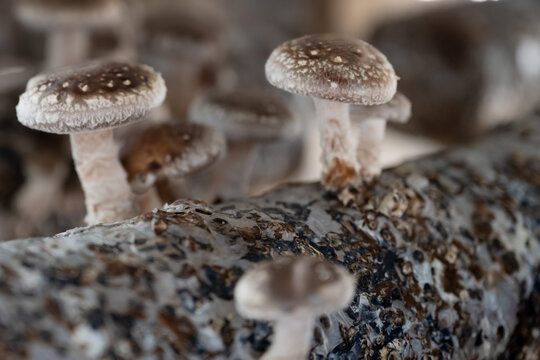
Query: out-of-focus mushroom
x,y
45,171
373,121
87,102
169,151
67,24
293,292
185,43
335,71
248,118
11,173
14,73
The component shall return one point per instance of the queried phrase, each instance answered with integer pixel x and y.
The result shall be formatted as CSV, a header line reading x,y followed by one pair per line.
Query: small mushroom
x,y
87,101
170,151
335,71
248,118
67,23
373,121
293,292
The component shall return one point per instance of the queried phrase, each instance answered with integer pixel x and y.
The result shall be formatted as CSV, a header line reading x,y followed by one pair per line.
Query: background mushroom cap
x,y
397,110
292,285
91,96
185,34
332,67
170,150
56,14
246,115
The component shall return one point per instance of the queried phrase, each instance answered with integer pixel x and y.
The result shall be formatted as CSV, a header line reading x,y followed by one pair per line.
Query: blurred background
x,y
466,66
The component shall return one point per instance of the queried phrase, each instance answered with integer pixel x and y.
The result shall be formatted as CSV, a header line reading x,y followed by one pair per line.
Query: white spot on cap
x,y
338,59
314,52
51,99
65,85
110,84
302,62
84,87
126,82
43,87
334,85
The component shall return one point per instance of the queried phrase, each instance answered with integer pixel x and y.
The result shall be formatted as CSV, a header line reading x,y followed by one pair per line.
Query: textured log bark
x,y
446,250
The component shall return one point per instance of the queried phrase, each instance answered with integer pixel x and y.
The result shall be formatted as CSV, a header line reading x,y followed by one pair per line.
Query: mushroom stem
x,y
104,181
149,200
66,47
292,338
236,170
339,166
369,147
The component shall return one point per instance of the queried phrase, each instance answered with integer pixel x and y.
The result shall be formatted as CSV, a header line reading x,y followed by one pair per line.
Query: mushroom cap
x,y
246,115
293,285
92,96
185,34
332,67
170,150
397,110
65,14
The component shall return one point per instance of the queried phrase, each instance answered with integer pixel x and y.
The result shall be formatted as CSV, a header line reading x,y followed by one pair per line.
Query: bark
x,y
444,269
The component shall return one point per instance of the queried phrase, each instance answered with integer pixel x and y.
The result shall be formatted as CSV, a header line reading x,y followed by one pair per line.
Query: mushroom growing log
x,y
441,269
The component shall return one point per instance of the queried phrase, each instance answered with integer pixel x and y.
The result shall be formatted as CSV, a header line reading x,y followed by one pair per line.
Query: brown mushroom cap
x,y
171,150
246,115
332,67
48,14
292,285
91,96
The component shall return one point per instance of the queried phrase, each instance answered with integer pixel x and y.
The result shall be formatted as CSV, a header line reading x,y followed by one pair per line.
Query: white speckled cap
x,y
332,67
294,284
171,150
92,96
55,14
246,115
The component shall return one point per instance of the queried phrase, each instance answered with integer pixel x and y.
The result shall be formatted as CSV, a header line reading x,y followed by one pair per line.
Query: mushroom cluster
x,y
87,101
216,134
337,71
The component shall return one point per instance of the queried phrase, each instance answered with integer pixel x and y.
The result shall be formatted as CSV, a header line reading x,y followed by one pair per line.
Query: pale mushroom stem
x,y
292,338
107,192
339,165
66,47
149,200
370,147
236,170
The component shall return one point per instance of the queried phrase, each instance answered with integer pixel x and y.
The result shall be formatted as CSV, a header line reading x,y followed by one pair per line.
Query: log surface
x,y
445,249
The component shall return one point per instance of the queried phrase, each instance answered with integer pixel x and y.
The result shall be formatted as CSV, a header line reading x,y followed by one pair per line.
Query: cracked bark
x,y
446,250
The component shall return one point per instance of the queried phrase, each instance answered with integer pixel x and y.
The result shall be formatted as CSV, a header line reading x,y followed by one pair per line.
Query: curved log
x,y
445,250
